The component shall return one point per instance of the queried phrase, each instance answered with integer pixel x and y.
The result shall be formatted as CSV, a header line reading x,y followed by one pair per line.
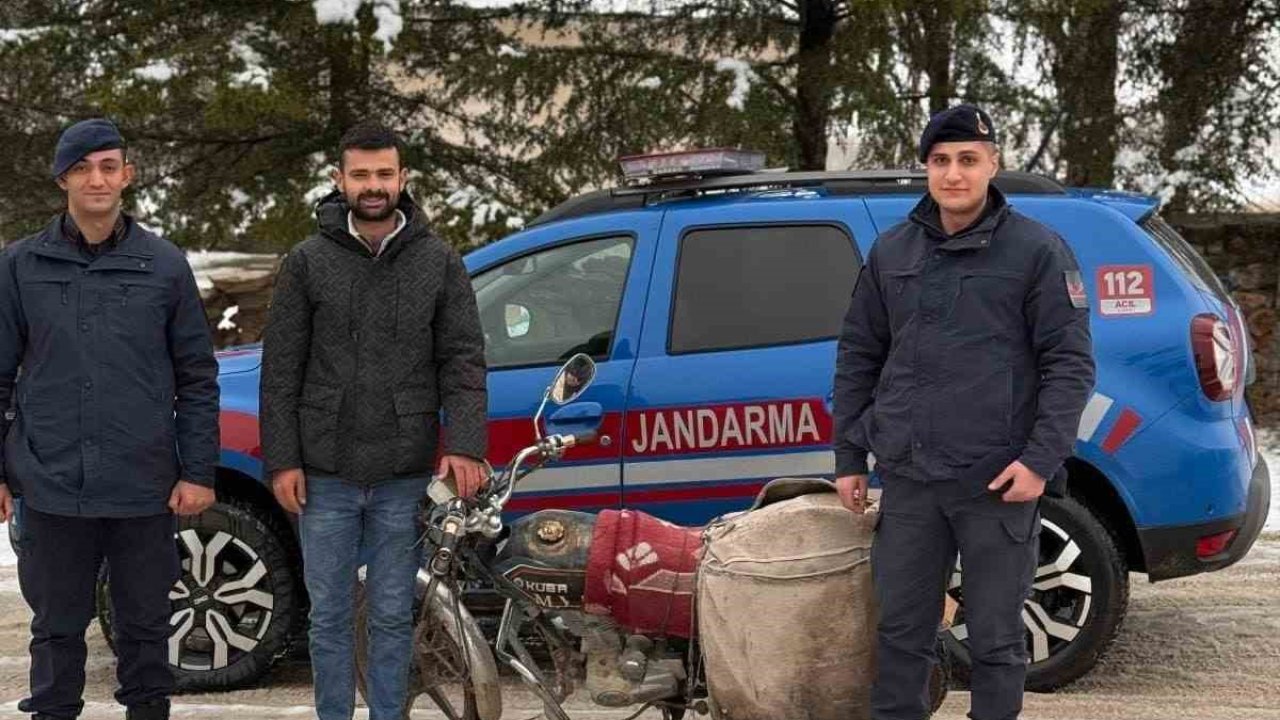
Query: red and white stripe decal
x,y
1124,428
1091,418
1095,412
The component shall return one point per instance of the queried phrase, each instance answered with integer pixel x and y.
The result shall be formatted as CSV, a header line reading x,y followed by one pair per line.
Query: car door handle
x,y
578,412
576,417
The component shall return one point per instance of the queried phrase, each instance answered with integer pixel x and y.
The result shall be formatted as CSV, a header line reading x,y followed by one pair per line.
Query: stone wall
x,y
1242,248
236,294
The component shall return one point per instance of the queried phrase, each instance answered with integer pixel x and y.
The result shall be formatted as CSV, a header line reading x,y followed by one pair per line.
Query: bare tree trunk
x,y
1085,70
818,20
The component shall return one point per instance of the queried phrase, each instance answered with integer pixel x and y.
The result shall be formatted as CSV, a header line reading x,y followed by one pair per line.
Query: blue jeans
x,y
344,526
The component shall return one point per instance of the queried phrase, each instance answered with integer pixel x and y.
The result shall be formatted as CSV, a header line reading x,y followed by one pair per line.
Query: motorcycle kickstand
x,y
523,663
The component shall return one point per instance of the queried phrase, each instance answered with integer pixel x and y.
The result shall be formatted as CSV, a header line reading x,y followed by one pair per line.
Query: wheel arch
x,y
1091,488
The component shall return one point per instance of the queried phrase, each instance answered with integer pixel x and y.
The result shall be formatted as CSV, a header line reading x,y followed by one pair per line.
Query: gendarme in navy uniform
x,y
112,429
963,366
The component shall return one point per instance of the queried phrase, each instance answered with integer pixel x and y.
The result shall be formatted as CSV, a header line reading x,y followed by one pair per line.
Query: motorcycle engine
x,y
628,670
545,555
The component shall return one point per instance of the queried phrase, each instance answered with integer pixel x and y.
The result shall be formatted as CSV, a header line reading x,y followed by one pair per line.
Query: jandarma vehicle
x,y
710,295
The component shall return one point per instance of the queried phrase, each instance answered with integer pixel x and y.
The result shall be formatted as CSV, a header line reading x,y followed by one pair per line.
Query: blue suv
x,y
711,304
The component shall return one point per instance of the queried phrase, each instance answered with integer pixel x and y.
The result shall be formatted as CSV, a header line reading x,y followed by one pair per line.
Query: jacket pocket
x,y
136,306
901,292
46,300
989,300
418,424
318,412
1022,522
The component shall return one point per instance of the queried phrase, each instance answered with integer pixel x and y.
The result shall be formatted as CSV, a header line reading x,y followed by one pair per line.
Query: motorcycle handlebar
x,y
583,438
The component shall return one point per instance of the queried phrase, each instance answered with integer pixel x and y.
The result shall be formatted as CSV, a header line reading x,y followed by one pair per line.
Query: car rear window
x,y
1185,256
745,287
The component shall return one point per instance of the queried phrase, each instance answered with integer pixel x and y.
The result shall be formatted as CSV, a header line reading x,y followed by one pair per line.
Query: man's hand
x,y
853,492
189,498
290,489
6,503
1025,486
468,474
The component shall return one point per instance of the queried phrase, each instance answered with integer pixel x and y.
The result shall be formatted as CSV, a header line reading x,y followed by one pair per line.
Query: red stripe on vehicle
x,y
565,502
1120,433
240,432
510,436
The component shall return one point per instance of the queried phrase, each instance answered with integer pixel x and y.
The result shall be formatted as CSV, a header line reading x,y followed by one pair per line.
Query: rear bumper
x,y
1170,552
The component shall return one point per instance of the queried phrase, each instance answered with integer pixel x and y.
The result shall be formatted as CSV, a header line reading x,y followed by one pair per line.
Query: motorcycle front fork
x,y
512,651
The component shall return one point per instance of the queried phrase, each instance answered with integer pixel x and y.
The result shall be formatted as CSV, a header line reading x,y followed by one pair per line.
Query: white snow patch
x,y
511,51
336,11
743,77
254,74
209,259
226,323
157,70
387,12
20,34
390,23
650,83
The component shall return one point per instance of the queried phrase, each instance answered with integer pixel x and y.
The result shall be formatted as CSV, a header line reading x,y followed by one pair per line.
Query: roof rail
x,y
857,182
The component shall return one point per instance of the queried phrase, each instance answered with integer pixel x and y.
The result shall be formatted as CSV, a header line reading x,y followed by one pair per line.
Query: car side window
x,y
542,308
745,287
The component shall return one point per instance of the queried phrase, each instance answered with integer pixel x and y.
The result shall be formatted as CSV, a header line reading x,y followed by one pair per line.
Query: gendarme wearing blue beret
x,y
963,366
83,138
962,123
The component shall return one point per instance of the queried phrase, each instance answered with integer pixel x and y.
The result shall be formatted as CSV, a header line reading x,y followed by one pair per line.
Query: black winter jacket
x,y
361,353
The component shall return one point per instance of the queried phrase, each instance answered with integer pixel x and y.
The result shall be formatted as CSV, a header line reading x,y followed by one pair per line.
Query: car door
x,y
544,295
733,382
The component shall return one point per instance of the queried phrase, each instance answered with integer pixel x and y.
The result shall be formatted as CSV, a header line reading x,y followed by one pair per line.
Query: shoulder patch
x,y
1075,289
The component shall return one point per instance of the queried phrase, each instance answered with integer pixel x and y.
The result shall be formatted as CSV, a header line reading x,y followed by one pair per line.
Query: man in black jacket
x,y
964,365
114,428
373,331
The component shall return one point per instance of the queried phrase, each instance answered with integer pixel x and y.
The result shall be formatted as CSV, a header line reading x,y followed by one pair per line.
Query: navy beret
x,y
962,123
86,136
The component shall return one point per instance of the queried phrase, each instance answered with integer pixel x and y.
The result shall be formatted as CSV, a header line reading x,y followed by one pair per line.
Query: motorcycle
x,y
537,568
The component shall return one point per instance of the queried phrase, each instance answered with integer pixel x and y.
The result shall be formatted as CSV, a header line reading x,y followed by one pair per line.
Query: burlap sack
x,y
786,609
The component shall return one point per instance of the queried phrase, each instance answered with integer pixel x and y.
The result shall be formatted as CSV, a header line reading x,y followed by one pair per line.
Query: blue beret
x,y
86,136
962,123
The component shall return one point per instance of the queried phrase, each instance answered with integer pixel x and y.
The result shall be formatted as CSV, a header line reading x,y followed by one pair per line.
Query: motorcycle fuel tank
x,y
545,556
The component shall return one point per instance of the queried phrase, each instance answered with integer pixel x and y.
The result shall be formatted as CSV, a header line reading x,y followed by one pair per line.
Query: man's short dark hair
x,y
369,135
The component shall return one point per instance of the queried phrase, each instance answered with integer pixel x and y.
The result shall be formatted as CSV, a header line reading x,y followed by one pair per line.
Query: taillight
x,y
1217,356
1216,544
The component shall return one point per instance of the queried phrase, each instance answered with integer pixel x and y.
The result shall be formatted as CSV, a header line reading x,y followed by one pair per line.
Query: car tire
x,y
1078,600
236,613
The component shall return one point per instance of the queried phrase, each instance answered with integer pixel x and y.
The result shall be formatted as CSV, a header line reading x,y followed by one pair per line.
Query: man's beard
x,y
388,208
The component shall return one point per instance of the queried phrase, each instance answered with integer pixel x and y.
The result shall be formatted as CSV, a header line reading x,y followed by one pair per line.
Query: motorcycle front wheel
x,y
461,684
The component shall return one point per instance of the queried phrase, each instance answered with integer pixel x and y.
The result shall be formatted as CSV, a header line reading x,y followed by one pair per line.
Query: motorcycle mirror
x,y
573,379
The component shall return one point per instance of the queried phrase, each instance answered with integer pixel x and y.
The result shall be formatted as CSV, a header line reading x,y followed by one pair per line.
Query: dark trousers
x,y
921,527
58,562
